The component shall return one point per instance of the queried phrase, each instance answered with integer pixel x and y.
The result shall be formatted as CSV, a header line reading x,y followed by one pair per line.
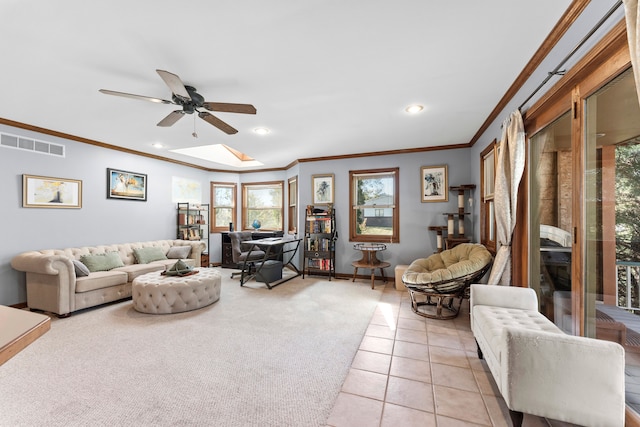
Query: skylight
x,y
219,153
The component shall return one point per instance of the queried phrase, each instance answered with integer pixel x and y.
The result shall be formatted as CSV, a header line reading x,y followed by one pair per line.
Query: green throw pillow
x,y
146,255
102,262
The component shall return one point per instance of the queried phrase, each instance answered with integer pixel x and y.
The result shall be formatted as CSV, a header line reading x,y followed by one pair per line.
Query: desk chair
x,y
240,252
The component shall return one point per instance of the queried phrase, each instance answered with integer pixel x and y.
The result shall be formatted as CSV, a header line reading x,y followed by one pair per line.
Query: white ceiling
x,y
327,77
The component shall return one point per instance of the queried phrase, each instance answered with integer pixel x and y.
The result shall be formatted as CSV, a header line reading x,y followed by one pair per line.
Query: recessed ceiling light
x,y
261,131
157,145
413,109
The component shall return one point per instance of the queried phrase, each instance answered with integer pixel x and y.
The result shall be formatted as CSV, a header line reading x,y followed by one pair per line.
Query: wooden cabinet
x,y
319,241
193,224
227,256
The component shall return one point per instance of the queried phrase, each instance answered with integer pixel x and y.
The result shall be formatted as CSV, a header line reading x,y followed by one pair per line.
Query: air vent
x,y
34,145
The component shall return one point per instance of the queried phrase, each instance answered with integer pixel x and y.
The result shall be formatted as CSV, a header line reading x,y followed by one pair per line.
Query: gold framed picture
x,y
48,192
322,189
434,183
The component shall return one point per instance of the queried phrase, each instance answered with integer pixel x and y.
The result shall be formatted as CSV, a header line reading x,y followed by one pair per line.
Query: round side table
x,y
369,260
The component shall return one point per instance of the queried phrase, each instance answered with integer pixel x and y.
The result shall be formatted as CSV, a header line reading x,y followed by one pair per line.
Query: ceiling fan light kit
x,y
191,101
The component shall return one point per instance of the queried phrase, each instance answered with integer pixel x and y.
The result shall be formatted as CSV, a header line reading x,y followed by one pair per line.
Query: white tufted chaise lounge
x,y
157,294
540,370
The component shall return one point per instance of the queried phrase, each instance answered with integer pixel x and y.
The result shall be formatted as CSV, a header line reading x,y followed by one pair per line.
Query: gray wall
x,y
415,217
99,221
107,221
102,221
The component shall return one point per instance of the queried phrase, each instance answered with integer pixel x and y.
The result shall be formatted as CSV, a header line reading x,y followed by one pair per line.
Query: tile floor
x,y
413,371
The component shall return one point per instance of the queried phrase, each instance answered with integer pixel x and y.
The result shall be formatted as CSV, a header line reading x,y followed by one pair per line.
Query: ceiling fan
x,y
190,101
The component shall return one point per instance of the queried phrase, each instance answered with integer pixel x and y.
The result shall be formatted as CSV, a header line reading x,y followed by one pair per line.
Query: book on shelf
x,y
319,244
320,264
319,225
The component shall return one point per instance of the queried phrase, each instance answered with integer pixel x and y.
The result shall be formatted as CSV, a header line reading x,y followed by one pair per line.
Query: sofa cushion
x,y
100,280
102,262
147,255
178,252
135,270
166,263
455,263
81,269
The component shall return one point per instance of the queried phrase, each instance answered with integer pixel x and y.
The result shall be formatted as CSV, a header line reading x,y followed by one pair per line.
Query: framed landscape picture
x,y
126,185
434,183
47,192
322,189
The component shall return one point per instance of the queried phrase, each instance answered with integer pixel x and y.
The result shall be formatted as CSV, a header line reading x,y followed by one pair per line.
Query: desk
x,y
18,329
274,248
227,255
369,260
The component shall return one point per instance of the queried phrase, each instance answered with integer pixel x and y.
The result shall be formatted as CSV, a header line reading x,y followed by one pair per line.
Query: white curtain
x,y
511,156
633,26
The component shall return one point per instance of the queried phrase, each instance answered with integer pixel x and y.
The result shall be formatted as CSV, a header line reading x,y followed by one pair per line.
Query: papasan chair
x,y
437,282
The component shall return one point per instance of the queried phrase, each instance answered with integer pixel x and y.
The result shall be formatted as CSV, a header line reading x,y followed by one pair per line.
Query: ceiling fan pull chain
x,y
194,134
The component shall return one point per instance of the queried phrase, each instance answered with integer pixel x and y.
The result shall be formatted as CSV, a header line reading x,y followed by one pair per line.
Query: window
x,y
223,205
263,202
374,214
488,159
293,205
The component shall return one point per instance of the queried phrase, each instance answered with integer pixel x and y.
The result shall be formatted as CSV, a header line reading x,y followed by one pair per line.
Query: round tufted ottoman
x,y
157,294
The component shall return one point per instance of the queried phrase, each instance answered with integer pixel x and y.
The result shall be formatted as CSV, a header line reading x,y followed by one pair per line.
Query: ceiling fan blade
x,y
140,97
211,119
175,84
173,117
226,107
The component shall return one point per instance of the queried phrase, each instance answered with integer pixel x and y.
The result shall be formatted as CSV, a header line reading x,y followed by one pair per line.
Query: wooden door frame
x,y
608,58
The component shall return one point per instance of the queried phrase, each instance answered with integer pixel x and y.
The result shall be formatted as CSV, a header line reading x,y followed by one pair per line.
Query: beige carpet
x,y
257,357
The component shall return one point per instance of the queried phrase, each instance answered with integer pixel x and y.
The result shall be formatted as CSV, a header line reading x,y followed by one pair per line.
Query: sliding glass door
x,y
550,224
612,213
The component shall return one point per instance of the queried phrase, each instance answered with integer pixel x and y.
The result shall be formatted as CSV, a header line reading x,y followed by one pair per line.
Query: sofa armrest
x,y
503,296
37,262
197,247
564,377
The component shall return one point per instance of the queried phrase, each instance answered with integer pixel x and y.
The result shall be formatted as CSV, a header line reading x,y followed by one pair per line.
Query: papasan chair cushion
x,y
446,271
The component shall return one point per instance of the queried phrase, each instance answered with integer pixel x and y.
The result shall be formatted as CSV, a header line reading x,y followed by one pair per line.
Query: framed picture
x,y
322,189
47,192
126,185
434,183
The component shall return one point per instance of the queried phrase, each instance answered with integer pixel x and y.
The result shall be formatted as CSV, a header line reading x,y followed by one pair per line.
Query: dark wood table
x,y
370,260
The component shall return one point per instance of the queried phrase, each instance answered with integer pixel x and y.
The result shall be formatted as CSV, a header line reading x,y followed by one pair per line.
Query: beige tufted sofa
x,y
540,370
52,284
